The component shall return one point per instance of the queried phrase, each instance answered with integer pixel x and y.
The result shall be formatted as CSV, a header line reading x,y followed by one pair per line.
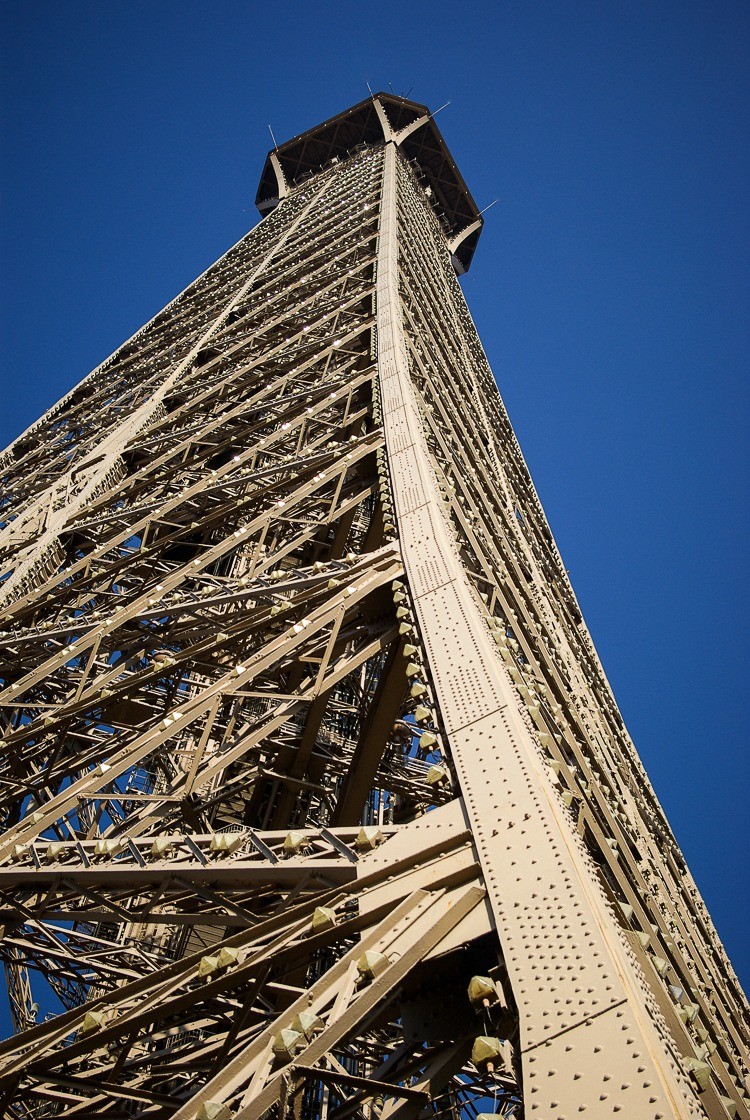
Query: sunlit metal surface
x,y
316,800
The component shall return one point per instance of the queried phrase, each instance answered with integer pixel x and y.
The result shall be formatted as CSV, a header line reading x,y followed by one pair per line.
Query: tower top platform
x,y
381,118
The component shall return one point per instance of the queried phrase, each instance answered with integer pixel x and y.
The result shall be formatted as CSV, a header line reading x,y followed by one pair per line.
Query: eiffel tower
x,y
316,800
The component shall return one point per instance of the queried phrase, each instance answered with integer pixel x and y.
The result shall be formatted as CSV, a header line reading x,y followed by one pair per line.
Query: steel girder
x,y
303,727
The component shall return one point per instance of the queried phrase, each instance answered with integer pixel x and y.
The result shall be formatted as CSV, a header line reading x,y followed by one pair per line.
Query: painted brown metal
x,y
303,726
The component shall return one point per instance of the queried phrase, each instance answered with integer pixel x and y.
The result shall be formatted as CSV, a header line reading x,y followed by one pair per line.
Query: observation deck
x,y
382,118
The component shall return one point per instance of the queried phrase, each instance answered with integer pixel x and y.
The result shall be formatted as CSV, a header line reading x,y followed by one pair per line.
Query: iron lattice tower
x,y
317,802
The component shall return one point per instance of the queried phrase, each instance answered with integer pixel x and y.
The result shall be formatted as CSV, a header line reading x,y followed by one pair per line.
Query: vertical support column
x,y
591,1036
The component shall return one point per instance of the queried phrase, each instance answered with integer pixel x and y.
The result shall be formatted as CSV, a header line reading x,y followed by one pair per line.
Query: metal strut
x,y
566,959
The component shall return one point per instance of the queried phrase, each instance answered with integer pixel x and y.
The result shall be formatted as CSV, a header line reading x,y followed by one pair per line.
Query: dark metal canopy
x,y
381,117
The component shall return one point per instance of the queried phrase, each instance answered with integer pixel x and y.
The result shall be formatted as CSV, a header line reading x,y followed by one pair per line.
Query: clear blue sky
x,y
610,285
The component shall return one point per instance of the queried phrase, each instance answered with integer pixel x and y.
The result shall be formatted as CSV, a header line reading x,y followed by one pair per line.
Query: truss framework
x,y
303,726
